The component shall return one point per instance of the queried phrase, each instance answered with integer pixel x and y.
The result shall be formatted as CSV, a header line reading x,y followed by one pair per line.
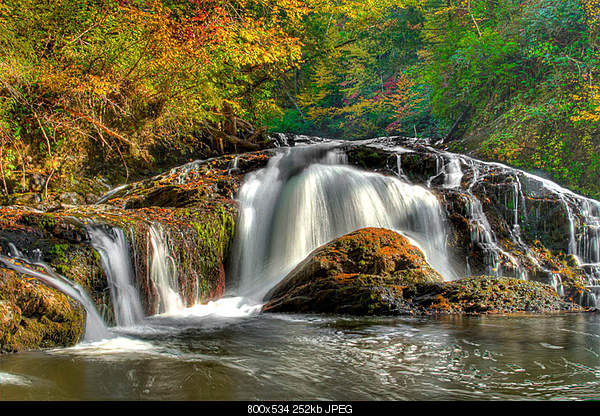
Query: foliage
x,y
356,79
524,82
88,78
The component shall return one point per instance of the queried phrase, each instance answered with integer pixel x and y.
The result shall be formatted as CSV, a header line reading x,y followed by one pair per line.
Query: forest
x,y
118,89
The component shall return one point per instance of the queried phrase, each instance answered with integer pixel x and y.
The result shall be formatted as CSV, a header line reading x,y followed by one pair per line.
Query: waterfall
x,y
95,328
307,196
163,272
112,246
453,173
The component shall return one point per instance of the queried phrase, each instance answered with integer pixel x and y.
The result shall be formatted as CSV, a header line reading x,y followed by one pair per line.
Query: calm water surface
x,y
307,357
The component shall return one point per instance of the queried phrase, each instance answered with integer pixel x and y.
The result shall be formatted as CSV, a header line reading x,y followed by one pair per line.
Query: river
x,y
313,357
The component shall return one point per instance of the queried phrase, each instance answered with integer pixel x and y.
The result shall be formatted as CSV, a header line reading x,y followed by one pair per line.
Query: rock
x,y
360,273
70,198
485,294
10,316
34,316
534,226
29,199
192,207
91,198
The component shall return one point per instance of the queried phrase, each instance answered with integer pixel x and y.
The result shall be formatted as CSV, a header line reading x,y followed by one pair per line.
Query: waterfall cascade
x,y
524,201
308,196
524,193
112,246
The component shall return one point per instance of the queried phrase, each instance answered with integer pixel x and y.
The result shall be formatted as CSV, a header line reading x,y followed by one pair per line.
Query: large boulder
x,y
35,316
359,273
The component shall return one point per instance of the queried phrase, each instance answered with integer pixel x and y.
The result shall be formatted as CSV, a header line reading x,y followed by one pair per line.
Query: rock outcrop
x,y
191,208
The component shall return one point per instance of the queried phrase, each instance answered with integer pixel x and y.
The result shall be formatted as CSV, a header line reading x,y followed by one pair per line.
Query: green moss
x,y
60,251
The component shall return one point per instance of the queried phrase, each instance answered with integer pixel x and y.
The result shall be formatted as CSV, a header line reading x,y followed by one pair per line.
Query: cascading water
x,y
483,235
453,173
307,197
95,328
163,273
114,255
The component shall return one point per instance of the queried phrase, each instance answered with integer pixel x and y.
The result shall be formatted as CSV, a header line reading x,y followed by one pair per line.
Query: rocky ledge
x,y
375,271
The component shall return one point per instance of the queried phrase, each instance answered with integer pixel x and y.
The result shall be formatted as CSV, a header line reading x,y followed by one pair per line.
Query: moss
x,y
487,294
367,158
46,222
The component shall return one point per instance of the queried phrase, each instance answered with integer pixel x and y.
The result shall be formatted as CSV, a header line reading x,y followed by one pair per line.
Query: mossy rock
x,y
360,273
378,272
486,294
34,316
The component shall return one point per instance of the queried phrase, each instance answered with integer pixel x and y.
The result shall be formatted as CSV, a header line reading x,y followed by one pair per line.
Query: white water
x,y
453,173
227,307
307,197
116,262
15,380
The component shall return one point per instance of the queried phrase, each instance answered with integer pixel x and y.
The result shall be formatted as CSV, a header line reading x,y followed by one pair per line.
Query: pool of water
x,y
312,357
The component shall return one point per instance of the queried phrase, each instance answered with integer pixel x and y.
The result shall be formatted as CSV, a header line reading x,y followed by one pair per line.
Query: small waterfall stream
x,y
112,246
163,272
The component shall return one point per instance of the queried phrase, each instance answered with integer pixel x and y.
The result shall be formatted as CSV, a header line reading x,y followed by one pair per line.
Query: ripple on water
x,y
15,380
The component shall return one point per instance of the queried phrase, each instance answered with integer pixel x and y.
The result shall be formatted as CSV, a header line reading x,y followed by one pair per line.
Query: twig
x,y
2,167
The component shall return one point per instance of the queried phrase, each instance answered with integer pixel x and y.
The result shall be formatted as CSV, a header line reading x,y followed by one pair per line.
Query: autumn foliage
x,y
87,82
122,87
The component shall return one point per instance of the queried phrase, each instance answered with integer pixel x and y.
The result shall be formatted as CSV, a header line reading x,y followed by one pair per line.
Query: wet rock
x,y
485,294
536,228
